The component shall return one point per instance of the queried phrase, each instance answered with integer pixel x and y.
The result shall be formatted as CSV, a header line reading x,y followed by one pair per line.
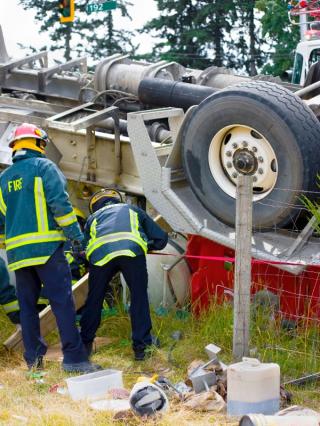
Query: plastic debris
x,y
262,420
183,388
119,393
202,380
297,410
205,401
58,389
147,398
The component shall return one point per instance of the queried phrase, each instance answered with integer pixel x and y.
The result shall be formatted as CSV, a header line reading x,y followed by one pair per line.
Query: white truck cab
x,y
307,53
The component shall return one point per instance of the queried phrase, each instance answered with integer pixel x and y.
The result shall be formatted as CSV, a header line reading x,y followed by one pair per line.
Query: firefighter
x,y
36,216
117,238
8,298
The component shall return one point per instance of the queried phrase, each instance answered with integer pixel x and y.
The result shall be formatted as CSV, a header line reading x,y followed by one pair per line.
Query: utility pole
x,y
245,165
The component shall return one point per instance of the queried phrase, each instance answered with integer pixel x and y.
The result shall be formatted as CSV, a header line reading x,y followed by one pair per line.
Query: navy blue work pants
x,y
56,278
134,270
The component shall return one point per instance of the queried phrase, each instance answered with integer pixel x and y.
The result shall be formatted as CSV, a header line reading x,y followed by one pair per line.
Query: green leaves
x,y
94,34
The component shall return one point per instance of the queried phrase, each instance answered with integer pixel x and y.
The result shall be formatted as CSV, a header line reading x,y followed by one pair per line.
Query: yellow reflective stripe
x,y
93,229
134,221
67,219
34,238
69,257
3,207
11,307
42,301
112,238
28,262
2,240
41,205
114,254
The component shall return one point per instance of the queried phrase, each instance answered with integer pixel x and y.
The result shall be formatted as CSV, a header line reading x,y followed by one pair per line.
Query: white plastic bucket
x,y
253,387
94,385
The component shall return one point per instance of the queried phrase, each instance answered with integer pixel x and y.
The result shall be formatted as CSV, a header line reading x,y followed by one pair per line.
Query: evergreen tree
x,y
93,34
192,31
248,44
283,36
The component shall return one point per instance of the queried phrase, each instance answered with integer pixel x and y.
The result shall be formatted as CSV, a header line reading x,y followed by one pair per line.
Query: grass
x,y
23,401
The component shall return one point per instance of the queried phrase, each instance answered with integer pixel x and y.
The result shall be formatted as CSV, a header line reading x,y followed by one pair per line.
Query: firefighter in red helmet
x,y
36,217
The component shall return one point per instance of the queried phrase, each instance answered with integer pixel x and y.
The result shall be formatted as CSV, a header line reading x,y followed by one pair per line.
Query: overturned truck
x,y
177,137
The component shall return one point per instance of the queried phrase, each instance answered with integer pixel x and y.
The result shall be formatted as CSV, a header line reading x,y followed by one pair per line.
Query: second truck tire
x,y
275,129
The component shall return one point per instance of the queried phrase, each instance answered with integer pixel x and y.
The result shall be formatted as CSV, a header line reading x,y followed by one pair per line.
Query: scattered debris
x,y
147,398
120,393
37,376
260,419
94,385
297,410
58,389
205,401
212,351
118,405
183,388
201,378
310,378
285,397
124,415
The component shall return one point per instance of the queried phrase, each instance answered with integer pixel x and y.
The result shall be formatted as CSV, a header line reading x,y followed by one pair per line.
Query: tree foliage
x,y
94,34
248,42
282,35
200,33
192,32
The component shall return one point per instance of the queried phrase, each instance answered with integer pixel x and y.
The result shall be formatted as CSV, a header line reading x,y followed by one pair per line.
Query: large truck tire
x,y
275,128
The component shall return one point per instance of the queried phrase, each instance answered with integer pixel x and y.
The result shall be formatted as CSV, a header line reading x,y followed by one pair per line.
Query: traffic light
x,y
66,8
303,4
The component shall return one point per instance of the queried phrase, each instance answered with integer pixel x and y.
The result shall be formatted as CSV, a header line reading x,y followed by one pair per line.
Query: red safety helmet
x,y
28,136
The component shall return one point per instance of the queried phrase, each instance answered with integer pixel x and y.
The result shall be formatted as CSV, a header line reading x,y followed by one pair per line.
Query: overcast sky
x,y
19,26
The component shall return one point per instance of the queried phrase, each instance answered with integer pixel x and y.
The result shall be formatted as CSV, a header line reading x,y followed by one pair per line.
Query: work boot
x,y
140,354
37,364
89,347
81,367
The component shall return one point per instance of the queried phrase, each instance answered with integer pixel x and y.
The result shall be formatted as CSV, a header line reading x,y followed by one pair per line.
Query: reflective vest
x,y
121,230
35,210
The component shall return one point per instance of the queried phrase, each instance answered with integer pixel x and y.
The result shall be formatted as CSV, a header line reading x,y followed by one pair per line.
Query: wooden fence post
x,y
242,276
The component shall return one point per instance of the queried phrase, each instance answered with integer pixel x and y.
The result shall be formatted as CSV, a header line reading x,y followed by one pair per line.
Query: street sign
x,y
101,6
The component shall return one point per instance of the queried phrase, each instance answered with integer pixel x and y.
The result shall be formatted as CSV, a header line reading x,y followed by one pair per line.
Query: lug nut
x,y
245,144
260,171
228,153
229,164
234,175
260,159
254,149
255,179
235,145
